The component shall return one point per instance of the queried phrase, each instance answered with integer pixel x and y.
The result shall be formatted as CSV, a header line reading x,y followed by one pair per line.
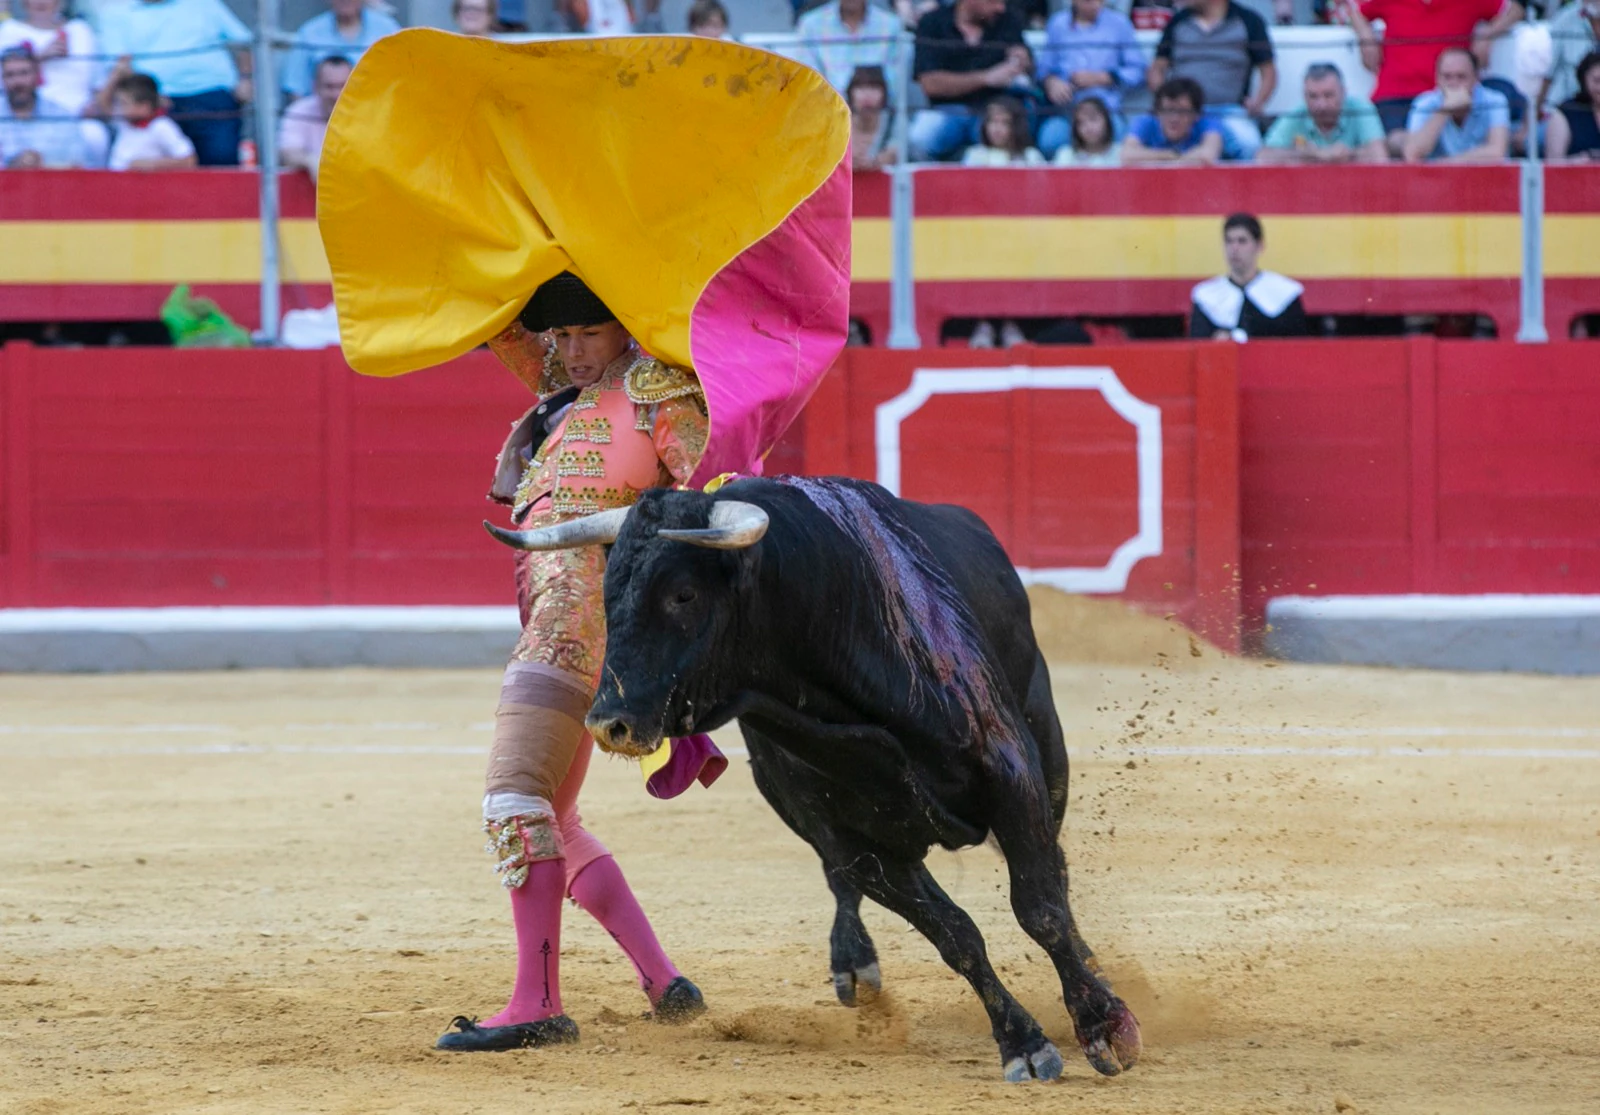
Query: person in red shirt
x,y
1415,33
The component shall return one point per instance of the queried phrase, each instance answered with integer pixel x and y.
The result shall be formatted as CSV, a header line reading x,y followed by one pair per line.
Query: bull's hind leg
x,y
1106,1028
853,959
909,890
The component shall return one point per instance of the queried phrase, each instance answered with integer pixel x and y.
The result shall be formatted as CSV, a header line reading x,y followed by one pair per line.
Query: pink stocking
x,y
536,912
601,890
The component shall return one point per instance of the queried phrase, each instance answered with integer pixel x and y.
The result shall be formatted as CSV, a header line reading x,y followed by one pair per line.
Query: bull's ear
x,y
591,530
734,525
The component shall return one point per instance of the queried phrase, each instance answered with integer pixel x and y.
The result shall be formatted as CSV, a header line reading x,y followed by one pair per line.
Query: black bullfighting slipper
x,y
680,1002
469,1037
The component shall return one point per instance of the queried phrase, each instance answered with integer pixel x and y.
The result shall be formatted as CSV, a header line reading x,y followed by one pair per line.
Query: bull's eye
x,y
684,596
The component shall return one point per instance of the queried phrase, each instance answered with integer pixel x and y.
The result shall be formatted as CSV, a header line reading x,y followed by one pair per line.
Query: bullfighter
x,y
611,422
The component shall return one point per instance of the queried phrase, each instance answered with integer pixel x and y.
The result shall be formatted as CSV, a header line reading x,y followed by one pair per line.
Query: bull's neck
x,y
838,663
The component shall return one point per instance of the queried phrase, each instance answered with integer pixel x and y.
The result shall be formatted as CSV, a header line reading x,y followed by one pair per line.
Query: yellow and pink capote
x,y
701,188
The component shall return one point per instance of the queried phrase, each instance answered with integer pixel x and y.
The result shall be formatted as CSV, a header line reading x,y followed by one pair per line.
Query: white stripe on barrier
x,y
336,618
1430,731
1485,606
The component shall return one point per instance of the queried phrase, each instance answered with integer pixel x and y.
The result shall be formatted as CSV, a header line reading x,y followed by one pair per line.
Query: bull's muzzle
x,y
617,734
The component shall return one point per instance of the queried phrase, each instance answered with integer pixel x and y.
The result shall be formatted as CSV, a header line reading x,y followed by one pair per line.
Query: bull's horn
x,y
734,526
591,530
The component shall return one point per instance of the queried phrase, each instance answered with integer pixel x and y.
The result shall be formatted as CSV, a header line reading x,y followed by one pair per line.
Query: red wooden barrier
x,y
155,477
161,477
1418,466
150,477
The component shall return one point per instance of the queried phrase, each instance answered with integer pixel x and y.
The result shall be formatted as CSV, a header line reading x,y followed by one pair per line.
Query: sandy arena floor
x,y
1321,889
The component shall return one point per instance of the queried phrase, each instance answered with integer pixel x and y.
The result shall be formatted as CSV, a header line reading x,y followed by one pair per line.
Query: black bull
x,y
880,659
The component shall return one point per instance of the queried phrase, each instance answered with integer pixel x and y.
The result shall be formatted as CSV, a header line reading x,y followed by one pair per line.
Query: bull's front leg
x,y
908,889
852,956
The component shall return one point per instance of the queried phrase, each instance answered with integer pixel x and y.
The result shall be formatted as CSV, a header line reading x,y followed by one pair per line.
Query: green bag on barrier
x,y
196,322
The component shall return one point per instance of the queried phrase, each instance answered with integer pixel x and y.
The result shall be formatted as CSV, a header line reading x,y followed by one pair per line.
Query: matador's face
x,y
587,350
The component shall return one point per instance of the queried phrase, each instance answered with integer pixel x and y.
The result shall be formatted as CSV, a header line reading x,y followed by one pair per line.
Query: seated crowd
x,y
991,102
80,93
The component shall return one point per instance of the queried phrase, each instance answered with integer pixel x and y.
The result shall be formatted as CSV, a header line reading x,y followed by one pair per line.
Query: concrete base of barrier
x,y
1529,634
1535,634
92,640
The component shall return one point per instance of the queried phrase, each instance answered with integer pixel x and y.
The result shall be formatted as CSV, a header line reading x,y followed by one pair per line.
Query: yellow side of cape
x,y
458,174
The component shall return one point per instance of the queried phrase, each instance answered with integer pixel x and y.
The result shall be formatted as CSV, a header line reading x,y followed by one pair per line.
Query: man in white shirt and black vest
x,y
1247,301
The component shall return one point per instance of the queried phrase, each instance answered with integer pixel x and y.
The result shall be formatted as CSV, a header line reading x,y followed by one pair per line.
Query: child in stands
x,y
1094,139
1004,139
147,139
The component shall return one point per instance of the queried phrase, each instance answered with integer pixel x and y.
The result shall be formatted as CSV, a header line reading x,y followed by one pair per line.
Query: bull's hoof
x,y
1126,1041
1043,1063
846,983
680,1002
1114,1045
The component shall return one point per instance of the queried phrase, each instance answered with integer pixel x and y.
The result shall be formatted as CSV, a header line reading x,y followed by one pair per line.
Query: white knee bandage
x,y
501,804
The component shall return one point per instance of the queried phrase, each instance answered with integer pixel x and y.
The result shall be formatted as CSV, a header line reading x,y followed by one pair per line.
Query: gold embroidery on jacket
x,y
589,500
648,380
596,431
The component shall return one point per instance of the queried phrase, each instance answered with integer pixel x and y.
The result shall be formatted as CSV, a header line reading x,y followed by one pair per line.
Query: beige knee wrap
x,y
537,729
522,839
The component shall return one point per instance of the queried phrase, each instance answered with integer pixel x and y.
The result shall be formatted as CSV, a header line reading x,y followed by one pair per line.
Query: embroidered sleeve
x,y
679,434
523,353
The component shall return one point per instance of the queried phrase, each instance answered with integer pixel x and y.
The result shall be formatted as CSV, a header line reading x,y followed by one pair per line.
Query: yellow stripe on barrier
x,y
1571,246
44,253
1410,246
946,249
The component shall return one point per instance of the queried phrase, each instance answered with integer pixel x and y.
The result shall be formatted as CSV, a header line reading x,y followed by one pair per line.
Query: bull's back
x,y
981,571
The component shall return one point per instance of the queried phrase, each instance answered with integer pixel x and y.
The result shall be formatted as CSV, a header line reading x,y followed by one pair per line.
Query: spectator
x,y
1247,301
1177,133
1218,44
1415,33
650,21
147,139
870,117
1460,121
511,15
66,48
475,18
843,35
1094,140
347,29
183,45
1089,51
1004,138
708,19
983,335
1153,15
597,17
912,11
36,131
1575,34
305,122
1331,127
1575,129
967,55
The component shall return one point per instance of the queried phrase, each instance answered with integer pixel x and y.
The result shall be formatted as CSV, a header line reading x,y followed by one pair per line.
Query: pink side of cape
x,y
769,326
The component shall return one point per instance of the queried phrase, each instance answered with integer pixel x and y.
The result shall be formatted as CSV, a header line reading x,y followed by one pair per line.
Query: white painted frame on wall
x,y
1144,417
